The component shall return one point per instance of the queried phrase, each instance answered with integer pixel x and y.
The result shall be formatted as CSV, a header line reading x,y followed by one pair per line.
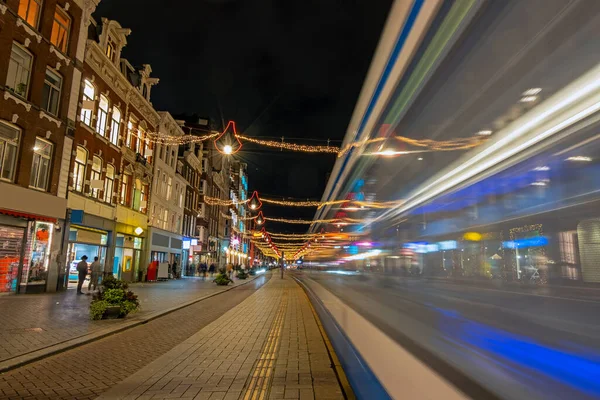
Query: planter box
x,y
112,312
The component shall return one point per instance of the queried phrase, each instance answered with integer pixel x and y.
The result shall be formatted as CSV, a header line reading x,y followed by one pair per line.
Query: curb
x,y
48,351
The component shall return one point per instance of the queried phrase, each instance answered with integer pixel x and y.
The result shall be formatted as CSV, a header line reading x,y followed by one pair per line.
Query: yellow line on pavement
x,y
261,375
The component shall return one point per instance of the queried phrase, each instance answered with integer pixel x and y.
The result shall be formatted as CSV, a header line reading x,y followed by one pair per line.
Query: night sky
x,y
291,68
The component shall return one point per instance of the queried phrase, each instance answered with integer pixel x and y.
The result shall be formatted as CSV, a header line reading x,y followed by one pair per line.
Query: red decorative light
x,y
260,219
255,203
227,142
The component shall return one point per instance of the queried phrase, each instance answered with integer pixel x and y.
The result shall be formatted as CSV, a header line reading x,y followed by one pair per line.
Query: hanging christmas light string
x,y
291,146
239,218
350,204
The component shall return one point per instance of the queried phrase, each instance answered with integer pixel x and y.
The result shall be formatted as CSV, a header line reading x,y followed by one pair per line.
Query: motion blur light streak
x,y
507,141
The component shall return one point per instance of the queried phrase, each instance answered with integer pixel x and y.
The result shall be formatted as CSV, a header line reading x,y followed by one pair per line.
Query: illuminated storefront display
x,y
84,241
37,256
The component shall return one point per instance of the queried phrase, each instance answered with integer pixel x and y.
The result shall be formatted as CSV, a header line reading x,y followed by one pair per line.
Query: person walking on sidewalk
x,y
82,268
97,269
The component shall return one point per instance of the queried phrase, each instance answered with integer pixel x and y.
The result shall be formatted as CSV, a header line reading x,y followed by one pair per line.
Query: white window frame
x,y
36,178
58,25
102,117
87,115
18,69
39,12
115,126
14,146
109,184
96,175
52,88
79,170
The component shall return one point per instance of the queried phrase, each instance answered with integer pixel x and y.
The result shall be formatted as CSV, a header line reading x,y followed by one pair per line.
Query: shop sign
x,y
448,245
472,236
538,241
186,245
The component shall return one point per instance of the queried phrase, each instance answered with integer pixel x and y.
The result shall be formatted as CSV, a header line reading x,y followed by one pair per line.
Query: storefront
x,y
130,259
166,247
86,241
30,239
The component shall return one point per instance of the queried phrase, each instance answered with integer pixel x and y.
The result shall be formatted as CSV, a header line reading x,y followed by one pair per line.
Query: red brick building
x,y
39,69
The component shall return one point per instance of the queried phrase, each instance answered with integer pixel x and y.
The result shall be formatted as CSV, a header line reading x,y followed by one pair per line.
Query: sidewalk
x,y
32,323
267,347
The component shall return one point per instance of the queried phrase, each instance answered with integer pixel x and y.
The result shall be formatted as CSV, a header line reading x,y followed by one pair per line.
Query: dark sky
x,y
291,68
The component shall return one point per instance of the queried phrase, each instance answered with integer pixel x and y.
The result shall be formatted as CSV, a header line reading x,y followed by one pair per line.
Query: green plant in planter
x,y
242,274
113,300
97,309
222,279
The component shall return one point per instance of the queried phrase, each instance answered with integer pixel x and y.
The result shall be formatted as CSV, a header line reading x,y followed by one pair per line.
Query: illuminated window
x,y
60,30
79,169
19,69
96,175
169,188
132,138
29,11
9,144
40,166
102,116
109,183
125,189
87,108
111,49
115,126
51,92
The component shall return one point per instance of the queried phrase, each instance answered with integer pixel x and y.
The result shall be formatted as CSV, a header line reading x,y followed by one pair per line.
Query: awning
x,y
28,216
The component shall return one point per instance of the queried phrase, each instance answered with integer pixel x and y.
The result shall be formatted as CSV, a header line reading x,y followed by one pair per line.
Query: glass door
x,y
11,240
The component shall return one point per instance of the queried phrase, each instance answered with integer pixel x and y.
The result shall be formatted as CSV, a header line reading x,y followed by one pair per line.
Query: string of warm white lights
x,y
351,204
291,146
239,218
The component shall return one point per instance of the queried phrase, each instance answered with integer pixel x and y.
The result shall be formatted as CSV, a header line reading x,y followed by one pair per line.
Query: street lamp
x,y
228,142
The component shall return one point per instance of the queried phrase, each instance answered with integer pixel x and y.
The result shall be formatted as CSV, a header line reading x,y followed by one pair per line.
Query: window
x,y
157,181
79,169
144,202
29,11
40,166
125,183
96,176
115,126
60,30
9,143
51,93
169,188
87,109
109,183
19,69
111,49
102,116
131,141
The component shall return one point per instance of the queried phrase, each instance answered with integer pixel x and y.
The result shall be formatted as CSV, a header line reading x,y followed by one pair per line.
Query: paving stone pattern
x,y
32,322
226,359
87,371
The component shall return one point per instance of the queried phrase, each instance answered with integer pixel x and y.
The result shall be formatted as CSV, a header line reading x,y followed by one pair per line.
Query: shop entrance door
x,y
11,240
78,250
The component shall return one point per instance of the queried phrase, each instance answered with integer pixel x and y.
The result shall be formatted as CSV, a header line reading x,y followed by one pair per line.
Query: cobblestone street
x,y
33,322
87,371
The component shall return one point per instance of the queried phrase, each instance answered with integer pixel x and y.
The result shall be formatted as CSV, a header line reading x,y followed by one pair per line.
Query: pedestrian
x,y
230,271
96,268
203,271
82,268
175,270
170,269
211,270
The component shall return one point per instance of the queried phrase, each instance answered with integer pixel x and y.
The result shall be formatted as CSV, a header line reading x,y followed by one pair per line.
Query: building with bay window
x,y
112,157
42,43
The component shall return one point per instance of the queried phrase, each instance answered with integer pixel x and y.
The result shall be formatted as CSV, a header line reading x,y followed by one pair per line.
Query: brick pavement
x,y
89,370
267,347
33,322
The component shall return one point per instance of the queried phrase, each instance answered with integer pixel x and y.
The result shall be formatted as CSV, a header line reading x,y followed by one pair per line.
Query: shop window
x,y
109,183
79,169
40,166
29,11
39,242
102,119
125,189
115,126
60,30
87,107
51,92
19,70
9,144
96,177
